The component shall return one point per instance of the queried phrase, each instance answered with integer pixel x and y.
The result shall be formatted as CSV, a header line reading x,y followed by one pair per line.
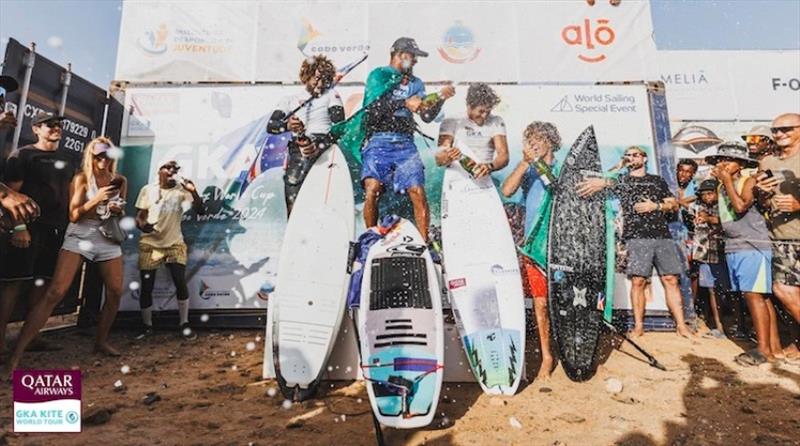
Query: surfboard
x,y
577,261
401,330
311,287
483,279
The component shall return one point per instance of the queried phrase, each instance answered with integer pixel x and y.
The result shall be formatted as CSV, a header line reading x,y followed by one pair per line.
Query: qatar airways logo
x,y
47,400
592,37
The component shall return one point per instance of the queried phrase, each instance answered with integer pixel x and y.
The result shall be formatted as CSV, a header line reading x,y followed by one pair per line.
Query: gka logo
x,y
587,37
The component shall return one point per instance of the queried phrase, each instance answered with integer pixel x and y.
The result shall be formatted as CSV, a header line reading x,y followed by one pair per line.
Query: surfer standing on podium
x,y
310,125
535,172
390,155
646,201
483,133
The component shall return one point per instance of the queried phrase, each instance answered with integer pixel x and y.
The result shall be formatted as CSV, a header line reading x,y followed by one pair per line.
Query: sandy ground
x,y
211,393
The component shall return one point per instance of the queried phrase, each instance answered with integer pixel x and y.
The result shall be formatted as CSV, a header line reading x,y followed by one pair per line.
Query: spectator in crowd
x,y
747,247
760,142
708,253
646,202
160,208
43,173
780,182
97,193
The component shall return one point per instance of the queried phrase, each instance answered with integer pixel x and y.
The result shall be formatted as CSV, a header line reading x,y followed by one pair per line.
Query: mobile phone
x,y
116,183
768,174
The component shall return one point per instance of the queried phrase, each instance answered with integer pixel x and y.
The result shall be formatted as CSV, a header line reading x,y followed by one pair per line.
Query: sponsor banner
x,y
728,85
47,400
571,42
289,32
187,41
233,250
467,41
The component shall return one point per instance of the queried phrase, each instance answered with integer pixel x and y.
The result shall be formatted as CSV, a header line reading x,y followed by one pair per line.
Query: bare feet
x,y
106,349
638,331
546,368
791,352
685,332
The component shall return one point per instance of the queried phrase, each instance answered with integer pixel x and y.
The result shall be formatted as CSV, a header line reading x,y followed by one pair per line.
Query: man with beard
x,y
780,182
645,200
759,142
390,156
43,173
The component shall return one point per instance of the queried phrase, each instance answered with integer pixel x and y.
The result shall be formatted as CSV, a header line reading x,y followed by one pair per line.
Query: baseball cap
x,y
170,163
759,130
407,45
99,148
43,117
708,186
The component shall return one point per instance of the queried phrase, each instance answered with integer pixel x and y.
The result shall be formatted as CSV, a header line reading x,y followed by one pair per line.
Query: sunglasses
x,y
633,155
171,168
53,125
754,139
784,129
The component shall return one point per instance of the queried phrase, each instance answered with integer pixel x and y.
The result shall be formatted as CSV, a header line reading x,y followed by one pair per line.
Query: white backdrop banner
x,y
728,85
503,41
215,133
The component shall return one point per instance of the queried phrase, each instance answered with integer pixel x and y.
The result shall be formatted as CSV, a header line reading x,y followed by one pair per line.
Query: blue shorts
x,y
393,159
750,271
714,275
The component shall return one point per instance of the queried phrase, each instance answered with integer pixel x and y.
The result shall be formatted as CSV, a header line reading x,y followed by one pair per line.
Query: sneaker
x,y
187,332
433,248
146,332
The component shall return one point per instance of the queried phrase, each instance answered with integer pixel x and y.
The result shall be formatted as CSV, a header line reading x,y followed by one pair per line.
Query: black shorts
x,y
36,261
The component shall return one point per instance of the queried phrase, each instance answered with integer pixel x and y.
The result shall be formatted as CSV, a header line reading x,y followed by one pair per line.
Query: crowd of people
x,y
743,217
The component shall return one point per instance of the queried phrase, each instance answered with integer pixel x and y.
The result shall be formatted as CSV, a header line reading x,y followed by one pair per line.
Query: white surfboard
x,y
483,279
306,309
401,330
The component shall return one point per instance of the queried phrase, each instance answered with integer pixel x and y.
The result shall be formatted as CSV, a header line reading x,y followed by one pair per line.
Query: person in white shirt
x,y
483,134
310,124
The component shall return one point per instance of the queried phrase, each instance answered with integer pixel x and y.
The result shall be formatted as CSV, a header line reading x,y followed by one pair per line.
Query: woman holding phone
x,y
97,193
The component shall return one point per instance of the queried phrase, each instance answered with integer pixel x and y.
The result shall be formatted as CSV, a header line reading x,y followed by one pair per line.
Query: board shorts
x,y
643,254
393,159
151,257
749,270
84,238
786,262
713,275
36,261
534,280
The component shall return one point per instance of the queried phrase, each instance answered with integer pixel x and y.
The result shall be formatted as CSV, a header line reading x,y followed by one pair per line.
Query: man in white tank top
x,y
483,134
309,125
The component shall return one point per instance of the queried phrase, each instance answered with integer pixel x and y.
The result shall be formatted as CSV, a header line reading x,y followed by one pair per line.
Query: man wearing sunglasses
x,y
646,201
780,182
160,208
759,142
44,173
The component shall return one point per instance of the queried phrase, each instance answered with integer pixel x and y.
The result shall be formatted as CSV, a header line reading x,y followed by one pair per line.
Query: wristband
x,y
20,228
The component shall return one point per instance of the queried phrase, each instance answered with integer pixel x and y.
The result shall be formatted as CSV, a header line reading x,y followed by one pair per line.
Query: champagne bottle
x,y
431,99
468,164
544,172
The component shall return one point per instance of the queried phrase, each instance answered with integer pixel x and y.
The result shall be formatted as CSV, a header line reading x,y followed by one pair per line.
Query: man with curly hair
x,y
310,125
540,142
483,133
